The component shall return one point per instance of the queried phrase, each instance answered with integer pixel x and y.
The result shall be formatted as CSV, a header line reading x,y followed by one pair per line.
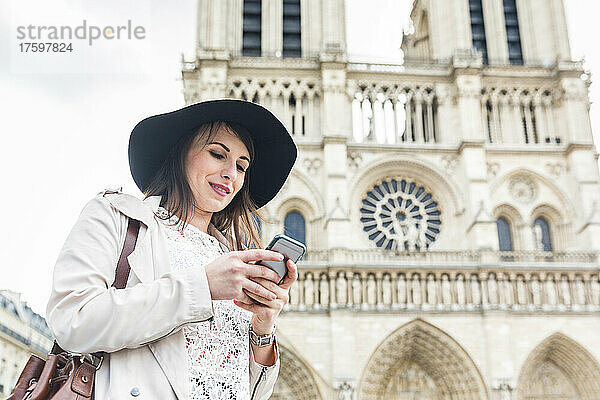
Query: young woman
x,y
196,319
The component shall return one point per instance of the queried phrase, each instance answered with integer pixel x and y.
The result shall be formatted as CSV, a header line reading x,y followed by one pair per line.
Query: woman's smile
x,y
220,189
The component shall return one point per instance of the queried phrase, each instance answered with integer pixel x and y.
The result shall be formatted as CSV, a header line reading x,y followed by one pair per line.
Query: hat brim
x,y
275,152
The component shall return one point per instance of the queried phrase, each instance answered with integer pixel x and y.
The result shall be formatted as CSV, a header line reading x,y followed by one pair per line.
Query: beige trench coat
x,y
140,325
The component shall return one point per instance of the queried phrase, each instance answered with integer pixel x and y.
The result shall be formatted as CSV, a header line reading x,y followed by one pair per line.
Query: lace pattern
x,y
218,350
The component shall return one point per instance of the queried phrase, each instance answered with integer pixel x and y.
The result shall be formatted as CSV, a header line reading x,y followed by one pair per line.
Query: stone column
x,y
559,28
530,132
506,118
517,120
272,27
337,128
445,114
576,109
496,135
408,131
468,83
430,137
419,118
310,125
493,14
333,27
549,118
298,117
213,29
540,119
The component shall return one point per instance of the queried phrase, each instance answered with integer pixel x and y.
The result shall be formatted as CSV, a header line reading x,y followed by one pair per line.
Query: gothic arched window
x,y
294,226
478,28
292,45
252,28
541,230
504,235
513,38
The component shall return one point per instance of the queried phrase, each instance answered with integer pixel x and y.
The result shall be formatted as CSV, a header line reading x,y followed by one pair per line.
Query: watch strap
x,y
262,340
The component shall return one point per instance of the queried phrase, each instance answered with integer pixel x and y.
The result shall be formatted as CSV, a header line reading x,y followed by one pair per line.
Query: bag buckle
x,y
90,360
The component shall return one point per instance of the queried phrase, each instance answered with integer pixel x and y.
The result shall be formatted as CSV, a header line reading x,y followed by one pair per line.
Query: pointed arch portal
x,y
559,368
421,361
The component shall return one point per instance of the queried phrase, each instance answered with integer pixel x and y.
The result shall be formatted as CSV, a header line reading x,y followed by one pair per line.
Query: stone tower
x,y
450,205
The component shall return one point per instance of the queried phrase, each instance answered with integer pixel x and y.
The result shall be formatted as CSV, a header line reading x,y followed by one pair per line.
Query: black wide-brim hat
x,y
274,150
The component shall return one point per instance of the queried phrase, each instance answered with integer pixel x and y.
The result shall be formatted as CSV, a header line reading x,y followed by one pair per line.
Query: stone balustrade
x,y
451,258
417,284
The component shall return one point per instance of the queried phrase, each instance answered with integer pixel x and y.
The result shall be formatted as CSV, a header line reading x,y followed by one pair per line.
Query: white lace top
x,y
218,350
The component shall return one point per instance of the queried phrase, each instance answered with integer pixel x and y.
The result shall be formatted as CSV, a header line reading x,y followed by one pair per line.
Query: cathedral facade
x,y
450,205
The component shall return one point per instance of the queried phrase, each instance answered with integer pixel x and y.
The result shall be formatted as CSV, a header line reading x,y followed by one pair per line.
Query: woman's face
x,y
216,172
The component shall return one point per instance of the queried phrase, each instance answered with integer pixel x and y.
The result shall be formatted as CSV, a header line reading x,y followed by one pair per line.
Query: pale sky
x,y
66,118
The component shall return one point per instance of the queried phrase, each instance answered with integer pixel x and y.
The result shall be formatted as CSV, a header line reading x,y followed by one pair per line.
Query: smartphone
x,y
287,246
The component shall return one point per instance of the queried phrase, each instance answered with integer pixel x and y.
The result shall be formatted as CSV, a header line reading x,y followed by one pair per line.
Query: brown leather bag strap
x,y
123,268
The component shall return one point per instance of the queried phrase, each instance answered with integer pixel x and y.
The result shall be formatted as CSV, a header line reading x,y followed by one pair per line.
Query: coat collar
x,y
131,206
144,210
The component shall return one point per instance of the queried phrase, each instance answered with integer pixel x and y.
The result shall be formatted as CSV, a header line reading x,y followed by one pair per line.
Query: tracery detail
x,y
399,214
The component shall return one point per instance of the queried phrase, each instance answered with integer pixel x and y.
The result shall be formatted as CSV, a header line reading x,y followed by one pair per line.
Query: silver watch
x,y
262,340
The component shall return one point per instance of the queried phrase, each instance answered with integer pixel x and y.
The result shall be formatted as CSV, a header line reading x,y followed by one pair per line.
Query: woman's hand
x,y
265,313
233,275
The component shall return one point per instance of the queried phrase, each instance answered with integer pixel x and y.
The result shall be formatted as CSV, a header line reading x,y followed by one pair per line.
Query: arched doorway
x,y
295,381
417,362
559,368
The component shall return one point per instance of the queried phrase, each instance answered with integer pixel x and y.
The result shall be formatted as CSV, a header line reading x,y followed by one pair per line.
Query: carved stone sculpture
x,y
492,289
401,287
386,286
431,290
412,234
550,290
446,290
521,290
595,290
416,289
460,289
356,289
341,289
579,291
508,292
536,290
345,391
309,289
324,291
422,241
475,292
537,236
294,293
371,290
565,292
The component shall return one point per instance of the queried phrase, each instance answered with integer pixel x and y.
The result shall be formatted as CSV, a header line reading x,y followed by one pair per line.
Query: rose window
x,y
399,214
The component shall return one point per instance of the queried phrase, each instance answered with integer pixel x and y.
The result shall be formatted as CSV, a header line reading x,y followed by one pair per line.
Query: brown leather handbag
x,y
64,375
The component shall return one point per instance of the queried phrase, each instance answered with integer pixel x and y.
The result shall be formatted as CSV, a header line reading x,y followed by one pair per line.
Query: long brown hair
x,y
236,221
